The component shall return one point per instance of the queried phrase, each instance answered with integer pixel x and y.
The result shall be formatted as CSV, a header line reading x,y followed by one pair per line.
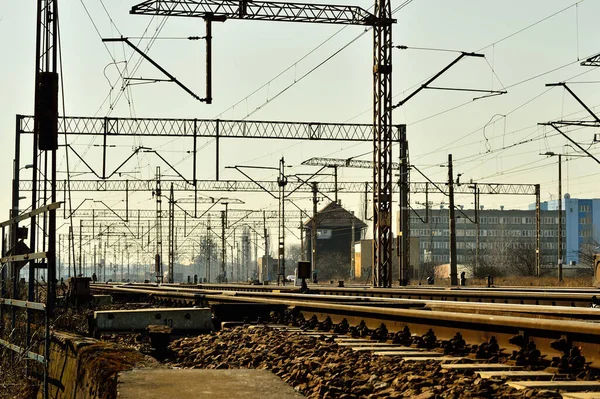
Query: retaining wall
x,y
83,368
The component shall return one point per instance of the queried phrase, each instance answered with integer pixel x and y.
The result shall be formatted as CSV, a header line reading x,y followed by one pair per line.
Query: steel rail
x,y
539,311
489,295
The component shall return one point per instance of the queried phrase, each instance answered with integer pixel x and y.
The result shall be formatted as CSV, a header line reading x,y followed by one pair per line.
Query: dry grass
x,y
14,384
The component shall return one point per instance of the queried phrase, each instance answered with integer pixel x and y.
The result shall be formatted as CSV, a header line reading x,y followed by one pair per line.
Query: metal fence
x,y
25,307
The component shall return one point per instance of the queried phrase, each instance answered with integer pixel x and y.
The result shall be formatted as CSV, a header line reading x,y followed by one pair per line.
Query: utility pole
x,y
560,199
313,230
80,241
256,251
335,183
158,255
453,263
104,266
232,257
302,254
70,240
60,259
122,262
266,267
281,182
171,235
404,230
538,221
477,245
352,260
208,249
14,212
560,238
223,248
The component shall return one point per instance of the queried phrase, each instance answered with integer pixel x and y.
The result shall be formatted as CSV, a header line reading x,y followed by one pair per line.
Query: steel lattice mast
x,y
382,145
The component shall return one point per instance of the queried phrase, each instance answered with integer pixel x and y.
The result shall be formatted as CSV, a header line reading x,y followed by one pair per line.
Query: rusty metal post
x,y
453,263
477,227
560,227
538,252
313,229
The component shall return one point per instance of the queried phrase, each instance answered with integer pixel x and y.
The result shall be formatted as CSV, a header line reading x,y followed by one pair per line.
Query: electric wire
x,y
62,92
259,107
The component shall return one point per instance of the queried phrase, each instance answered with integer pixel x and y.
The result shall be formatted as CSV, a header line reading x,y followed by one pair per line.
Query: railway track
x,y
459,358
584,297
565,338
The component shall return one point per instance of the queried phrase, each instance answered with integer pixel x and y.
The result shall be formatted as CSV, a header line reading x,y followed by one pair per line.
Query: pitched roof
x,y
334,215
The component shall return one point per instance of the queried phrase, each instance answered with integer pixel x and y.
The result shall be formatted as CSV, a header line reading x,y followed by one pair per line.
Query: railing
x,y
24,324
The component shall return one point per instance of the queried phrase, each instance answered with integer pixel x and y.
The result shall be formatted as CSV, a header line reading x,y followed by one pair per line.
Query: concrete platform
x,y
572,386
203,384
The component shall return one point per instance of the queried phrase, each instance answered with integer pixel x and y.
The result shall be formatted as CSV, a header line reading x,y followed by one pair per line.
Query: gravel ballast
x,y
318,368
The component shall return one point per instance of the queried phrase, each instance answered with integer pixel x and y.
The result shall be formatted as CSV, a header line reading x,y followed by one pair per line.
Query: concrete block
x,y
102,300
179,319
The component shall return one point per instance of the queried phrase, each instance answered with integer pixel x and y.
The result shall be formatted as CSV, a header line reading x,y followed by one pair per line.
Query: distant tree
x,y
506,256
293,254
332,265
490,262
586,253
522,259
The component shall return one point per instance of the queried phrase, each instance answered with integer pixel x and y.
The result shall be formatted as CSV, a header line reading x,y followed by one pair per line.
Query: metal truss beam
x,y
185,229
248,186
235,216
343,163
258,10
593,61
150,214
213,128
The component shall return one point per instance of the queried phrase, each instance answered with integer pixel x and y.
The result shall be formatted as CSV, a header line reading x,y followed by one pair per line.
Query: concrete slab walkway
x,y
200,383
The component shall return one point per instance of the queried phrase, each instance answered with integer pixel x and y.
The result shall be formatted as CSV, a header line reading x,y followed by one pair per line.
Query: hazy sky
x,y
492,140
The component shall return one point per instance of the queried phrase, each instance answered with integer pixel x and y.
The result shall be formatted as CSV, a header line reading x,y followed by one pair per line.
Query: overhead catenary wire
x,y
62,93
406,2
